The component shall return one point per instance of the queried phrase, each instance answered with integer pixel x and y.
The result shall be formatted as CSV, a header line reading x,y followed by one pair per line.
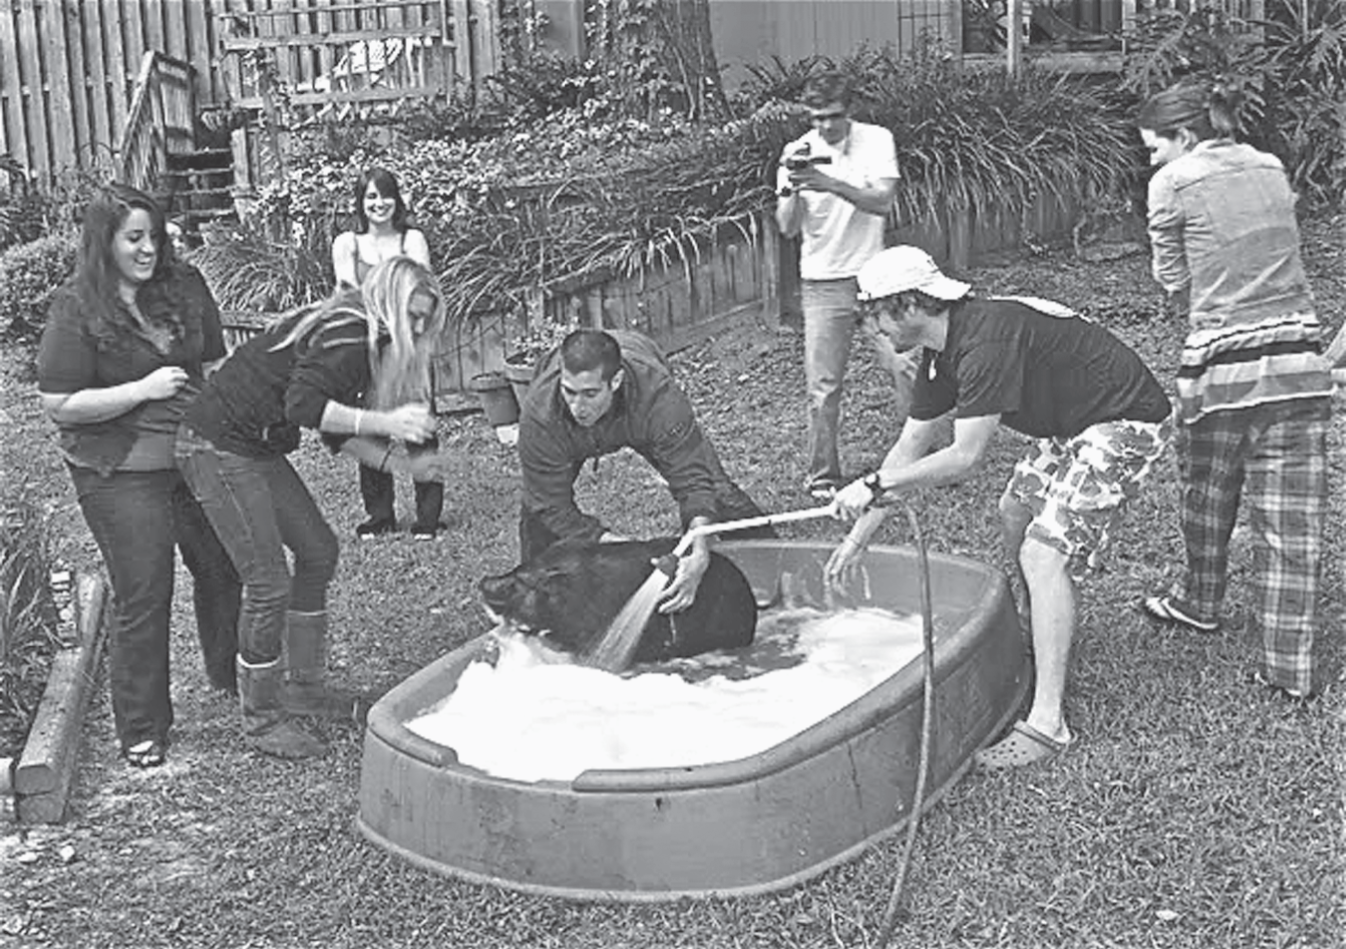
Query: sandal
x,y
145,754
1165,609
1023,745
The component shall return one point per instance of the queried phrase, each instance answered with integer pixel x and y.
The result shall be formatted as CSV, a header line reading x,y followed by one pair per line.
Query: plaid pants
x,y
1273,457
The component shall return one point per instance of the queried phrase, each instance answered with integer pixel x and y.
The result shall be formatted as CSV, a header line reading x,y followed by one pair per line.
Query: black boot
x,y
267,725
376,488
429,506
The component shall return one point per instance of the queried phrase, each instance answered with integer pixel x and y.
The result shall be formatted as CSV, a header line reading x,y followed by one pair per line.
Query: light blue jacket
x,y
1222,227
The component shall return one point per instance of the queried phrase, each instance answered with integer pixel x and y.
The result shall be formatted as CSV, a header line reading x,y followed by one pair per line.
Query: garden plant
x,y
1196,811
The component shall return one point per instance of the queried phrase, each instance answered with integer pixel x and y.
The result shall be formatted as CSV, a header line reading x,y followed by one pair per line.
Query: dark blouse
x,y
257,402
82,350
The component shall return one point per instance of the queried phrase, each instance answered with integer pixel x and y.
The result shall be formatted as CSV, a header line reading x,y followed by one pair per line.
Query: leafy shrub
x,y
571,198
29,210
251,268
1290,68
1307,109
27,619
28,275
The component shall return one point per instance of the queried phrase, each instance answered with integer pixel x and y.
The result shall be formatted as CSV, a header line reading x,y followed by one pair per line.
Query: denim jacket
x,y
1222,227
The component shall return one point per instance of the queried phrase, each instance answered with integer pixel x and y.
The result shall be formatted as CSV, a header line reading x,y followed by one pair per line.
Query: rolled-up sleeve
x,y
1166,220
549,472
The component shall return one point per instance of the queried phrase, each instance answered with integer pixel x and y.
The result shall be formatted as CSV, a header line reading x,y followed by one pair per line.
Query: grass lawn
x,y
1195,811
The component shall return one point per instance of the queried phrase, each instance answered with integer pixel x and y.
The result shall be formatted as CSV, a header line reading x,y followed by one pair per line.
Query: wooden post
x,y
1014,52
954,12
768,251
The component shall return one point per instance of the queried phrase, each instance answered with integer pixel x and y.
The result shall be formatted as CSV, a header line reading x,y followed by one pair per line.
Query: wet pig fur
x,y
573,590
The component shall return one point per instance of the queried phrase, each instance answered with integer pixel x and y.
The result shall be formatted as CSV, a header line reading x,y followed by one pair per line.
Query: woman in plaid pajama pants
x,y
1254,393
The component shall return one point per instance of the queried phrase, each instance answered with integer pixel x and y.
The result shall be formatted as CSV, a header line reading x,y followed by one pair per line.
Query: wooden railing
x,y
159,123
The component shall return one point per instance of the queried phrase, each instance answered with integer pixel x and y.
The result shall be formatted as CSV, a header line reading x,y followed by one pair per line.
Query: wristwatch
x,y
875,486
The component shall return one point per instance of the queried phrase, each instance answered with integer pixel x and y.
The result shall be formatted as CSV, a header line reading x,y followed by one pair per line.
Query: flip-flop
x,y
1023,745
1165,610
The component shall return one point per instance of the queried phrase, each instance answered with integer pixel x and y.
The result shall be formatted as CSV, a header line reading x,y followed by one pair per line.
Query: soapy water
x,y
532,714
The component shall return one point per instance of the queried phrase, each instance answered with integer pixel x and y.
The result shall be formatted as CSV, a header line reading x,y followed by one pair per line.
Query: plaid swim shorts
x,y
1076,487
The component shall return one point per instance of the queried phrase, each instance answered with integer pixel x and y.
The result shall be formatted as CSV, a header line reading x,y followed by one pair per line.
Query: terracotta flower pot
x,y
519,371
497,398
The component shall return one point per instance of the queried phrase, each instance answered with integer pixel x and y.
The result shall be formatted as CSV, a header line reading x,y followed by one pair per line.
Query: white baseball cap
x,y
902,268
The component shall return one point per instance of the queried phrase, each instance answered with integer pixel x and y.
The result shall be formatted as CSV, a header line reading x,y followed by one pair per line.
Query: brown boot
x,y
305,661
267,726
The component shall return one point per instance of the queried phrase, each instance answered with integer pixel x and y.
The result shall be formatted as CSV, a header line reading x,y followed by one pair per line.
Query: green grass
x,y
1195,812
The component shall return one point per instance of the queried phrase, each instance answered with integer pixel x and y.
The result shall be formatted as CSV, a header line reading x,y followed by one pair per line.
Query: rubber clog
x,y
1024,745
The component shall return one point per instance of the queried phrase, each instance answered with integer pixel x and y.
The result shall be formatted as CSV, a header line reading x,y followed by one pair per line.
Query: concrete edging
x,y
39,784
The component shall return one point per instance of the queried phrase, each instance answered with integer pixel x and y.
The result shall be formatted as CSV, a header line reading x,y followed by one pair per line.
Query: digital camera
x,y
800,162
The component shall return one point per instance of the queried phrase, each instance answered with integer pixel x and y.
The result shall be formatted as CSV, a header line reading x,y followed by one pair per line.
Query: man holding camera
x,y
836,185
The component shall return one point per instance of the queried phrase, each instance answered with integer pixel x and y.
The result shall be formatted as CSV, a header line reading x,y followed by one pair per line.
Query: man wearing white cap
x,y
1099,417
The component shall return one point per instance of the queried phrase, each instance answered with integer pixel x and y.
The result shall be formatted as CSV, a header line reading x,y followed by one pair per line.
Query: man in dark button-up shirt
x,y
599,392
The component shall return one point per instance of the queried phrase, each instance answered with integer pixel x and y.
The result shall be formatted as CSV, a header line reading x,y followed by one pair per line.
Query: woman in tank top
x,y
382,232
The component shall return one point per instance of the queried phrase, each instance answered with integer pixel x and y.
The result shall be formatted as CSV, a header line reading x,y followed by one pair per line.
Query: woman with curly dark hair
x,y
124,350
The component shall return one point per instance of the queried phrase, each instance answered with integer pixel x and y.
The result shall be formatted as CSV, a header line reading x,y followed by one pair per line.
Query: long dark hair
x,y
1206,110
97,278
383,180
106,213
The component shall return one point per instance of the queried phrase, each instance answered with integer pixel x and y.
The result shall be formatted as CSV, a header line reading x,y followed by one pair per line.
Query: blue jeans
x,y
259,508
829,325
137,517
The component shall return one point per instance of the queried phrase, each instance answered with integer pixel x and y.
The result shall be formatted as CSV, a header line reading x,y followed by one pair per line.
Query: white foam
x,y
531,718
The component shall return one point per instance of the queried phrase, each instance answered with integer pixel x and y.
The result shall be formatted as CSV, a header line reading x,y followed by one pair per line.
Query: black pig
x,y
573,590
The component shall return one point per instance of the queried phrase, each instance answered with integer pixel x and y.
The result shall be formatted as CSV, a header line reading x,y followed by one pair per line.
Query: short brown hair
x,y
587,349
824,88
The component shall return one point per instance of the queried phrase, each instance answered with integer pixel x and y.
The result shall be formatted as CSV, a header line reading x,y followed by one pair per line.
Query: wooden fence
x,y
333,57
677,304
160,122
68,68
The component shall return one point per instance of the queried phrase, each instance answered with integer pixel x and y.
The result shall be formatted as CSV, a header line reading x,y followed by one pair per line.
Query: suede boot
x,y
305,660
267,726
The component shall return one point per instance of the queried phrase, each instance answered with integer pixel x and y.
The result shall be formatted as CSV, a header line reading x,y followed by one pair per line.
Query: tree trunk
x,y
683,30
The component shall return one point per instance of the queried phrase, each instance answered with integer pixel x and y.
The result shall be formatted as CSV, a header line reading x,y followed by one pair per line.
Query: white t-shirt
x,y
837,237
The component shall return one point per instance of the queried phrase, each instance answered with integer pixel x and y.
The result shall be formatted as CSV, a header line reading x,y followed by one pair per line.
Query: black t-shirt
x,y
1045,376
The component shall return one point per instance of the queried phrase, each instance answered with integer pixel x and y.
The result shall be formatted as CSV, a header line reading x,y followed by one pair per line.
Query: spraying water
x,y
614,651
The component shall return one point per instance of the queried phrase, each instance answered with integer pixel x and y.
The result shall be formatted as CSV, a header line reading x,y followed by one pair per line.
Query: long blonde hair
x,y
401,372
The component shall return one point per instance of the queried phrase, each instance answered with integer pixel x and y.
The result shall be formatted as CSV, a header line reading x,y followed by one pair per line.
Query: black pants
x,y
376,488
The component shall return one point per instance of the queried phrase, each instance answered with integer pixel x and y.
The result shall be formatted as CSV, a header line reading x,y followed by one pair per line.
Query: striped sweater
x,y
1223,234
